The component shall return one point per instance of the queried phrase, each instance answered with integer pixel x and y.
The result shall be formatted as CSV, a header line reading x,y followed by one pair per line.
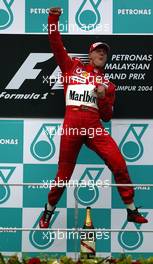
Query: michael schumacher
x,y
89,97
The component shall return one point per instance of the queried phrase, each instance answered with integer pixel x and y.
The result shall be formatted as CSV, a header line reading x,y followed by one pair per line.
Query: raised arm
x,y
56,44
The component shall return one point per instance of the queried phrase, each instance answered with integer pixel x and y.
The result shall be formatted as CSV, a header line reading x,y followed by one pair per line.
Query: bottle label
x,y
88,246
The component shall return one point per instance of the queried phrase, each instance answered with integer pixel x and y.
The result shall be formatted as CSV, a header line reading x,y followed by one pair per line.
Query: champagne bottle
x,y
88,242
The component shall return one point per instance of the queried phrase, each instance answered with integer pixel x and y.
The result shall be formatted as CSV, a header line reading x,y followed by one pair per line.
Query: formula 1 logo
x,y
5,175
131,146
87,195
6,15
88,16
27,71
43,147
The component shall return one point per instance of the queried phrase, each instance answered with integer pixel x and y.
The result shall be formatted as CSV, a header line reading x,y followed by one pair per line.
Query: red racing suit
x,y
84,110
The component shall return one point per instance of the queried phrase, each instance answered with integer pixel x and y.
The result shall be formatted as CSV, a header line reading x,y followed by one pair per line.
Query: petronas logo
x,y
131,146
43,147
87,195
131,240
5,175
42,239
88,16
6,15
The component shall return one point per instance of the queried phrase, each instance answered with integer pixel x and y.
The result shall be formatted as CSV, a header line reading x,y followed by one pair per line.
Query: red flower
x,y
34,261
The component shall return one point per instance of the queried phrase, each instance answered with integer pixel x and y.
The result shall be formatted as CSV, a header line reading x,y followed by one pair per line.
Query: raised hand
x,y
55,11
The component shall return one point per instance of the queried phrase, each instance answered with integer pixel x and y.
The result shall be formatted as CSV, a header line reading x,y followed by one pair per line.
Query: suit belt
x,y
83,107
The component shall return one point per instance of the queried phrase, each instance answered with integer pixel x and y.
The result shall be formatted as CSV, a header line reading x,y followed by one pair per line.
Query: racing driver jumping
x,y
89,97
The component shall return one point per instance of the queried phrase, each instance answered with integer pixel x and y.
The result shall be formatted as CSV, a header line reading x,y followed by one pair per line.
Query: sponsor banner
x,y
139,175
38,173
92,195
10,218
11,173
22,206
42,241
11,141
43,139
31,84
130,242
134,140
88,16
12,16
132,16
36,15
